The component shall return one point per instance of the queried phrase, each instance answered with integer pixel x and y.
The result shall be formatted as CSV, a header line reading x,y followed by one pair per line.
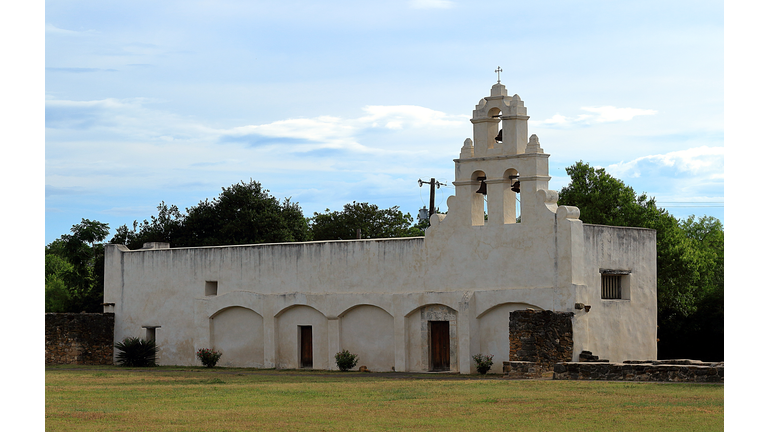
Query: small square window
x,y
211,288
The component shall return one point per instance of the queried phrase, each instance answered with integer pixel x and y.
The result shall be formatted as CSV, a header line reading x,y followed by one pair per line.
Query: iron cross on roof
x,y
498,74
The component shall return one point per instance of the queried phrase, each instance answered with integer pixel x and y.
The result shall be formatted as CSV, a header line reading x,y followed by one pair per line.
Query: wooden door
x,y
440,348
306,346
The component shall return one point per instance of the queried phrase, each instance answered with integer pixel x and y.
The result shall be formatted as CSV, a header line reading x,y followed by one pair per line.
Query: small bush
x,y
136,352
208,357
346,360
483,363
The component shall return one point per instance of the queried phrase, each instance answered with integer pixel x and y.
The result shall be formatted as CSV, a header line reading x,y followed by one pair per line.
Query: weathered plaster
x,y
373,297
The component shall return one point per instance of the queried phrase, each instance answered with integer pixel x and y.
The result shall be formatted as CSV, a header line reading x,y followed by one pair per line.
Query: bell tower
x,y
500,165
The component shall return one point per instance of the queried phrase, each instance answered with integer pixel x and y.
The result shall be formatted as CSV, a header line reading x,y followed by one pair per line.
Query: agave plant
x,y
136,352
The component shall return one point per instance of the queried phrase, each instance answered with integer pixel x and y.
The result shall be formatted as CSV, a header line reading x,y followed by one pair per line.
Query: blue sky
x,y
335,101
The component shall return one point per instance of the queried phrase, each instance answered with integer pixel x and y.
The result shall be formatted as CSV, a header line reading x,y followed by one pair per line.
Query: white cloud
x,y
134,119
53,30
432,4
684,182
102,146
613,114
362,134
603,114
707,162
396,116
323,128
119,119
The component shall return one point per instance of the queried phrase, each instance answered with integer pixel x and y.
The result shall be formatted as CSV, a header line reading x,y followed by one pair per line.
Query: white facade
x,y
404,304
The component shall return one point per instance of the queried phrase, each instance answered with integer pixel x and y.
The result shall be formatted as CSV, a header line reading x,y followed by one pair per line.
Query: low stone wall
x,y
526,370
632,370
79,338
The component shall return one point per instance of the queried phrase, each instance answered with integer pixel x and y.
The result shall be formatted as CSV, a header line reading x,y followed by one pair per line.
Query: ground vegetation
x,y
205,399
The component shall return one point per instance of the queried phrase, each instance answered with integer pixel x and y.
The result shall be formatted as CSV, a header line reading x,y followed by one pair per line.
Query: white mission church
x,y
405,304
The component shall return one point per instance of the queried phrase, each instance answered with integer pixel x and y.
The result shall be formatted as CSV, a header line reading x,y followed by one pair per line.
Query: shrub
x,y
346,360
483,362
136,352
208,357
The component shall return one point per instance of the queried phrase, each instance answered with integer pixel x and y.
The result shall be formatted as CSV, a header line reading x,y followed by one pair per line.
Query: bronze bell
x,y
515,183
498,137
483,188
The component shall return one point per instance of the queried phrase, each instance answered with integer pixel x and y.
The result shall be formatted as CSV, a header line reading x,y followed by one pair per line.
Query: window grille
x,y
611,286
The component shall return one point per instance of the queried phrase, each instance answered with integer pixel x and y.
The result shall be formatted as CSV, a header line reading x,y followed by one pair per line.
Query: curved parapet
x,y
568,212
548,198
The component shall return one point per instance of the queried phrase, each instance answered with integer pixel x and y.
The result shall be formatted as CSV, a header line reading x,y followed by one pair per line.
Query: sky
x,y
331,102
111,107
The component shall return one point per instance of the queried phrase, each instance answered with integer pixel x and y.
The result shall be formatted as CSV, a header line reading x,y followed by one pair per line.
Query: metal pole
x,y
431,197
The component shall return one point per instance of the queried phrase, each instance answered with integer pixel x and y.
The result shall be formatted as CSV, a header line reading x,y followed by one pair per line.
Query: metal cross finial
x,y
498,74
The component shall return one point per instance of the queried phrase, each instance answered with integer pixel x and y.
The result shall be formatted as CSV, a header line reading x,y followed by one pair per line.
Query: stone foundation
x,y
526,370
633,370
79,338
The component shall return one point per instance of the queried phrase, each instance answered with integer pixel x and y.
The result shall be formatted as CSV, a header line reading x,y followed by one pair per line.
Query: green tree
x,y
244,213
686,252
57,296
165,227
74,269
702,335
368,218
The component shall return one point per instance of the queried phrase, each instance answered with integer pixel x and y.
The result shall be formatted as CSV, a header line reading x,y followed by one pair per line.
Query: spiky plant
x,y
136,352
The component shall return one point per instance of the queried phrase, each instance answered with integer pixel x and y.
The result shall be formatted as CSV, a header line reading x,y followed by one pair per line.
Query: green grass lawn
x,y
103,398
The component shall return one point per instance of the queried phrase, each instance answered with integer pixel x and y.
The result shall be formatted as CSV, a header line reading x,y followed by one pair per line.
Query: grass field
x,y
101,398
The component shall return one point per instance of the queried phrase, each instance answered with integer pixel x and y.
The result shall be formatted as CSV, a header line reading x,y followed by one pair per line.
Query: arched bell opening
x,y
479,201
511,196
494,131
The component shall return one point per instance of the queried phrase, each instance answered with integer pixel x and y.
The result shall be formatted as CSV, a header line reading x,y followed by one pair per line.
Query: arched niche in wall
x,y
238,333
432,338
368,331
492,332
301,334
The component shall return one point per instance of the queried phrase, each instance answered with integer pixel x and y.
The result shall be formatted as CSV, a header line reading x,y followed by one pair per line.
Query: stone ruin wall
x,y
79,338
543,338
650,370
541,346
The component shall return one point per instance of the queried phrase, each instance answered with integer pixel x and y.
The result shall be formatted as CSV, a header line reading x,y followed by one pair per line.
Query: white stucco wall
x,y
369,331
622,329
239,332
376,297
256,325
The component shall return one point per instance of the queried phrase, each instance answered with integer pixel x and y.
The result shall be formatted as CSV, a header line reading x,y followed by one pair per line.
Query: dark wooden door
x,y
440,345
306,346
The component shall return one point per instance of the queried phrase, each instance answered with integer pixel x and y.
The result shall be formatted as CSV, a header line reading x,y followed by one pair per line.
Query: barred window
x,y
611,286
614,284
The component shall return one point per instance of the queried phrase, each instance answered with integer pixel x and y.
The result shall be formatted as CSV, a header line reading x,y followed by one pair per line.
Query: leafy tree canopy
x,y
690,253
74,269
368,218
243,213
